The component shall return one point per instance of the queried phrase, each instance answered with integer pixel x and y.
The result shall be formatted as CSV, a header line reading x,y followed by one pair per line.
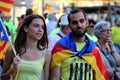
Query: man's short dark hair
x,y
29,11
76,10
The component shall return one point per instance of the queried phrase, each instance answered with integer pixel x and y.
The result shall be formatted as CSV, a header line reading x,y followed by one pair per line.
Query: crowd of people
x,y
70,48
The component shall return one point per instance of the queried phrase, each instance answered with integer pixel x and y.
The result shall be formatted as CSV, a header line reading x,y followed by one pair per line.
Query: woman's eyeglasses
x,y
106,31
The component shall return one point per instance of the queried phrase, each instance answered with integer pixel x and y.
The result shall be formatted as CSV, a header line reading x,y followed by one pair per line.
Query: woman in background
x,y
110,52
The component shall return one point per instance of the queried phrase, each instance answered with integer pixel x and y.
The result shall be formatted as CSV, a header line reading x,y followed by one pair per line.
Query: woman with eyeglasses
x,y
108,49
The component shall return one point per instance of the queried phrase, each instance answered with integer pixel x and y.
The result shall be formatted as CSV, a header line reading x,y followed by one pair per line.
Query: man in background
x,y
116,31
75,56
64,29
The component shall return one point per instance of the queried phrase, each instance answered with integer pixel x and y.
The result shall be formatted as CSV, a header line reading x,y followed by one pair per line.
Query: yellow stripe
x,y
92,60
2,55
6,46
2,52
58,57
6,5
6,13
1,43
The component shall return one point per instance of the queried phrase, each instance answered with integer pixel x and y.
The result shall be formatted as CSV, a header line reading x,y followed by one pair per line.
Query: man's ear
x,y
69,25
87,23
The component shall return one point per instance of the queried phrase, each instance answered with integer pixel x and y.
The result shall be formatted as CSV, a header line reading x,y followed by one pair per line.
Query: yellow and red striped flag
x,y
4,41
5,6
66,48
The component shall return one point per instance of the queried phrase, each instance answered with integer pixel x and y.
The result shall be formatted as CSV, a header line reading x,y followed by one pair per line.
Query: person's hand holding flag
x,y
4,44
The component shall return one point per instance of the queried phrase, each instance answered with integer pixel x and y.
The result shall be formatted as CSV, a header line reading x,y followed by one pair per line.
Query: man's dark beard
x,y
78,35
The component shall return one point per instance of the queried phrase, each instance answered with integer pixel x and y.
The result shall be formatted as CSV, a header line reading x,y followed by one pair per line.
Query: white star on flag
x,y
1,34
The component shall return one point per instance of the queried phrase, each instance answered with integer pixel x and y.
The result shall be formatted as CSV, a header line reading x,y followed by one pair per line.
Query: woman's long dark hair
x,y
21,36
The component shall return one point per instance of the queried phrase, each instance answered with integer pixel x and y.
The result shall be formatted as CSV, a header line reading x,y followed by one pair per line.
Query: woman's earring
x,y
26,30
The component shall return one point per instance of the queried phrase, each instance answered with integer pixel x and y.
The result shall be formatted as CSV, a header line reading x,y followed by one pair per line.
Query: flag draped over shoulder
x,y
5,6
4,41
66,48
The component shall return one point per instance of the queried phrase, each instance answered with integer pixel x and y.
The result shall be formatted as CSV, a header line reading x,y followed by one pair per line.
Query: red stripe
x,y
7,1
58,47
5,9
3,46
100,63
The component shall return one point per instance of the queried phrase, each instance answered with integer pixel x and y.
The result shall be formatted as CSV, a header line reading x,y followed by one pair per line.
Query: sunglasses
x,y
92,26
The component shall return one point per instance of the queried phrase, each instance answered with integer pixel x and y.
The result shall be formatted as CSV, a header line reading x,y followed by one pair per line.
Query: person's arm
x,y
55,73
116,55
7,65
47,65
113,51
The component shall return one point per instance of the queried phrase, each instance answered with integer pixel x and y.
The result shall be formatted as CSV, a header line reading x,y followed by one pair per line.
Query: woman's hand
x,y
110,44
16,61
109,41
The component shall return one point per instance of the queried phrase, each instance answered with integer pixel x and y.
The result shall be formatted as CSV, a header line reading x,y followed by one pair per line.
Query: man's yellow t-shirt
x,y
75,68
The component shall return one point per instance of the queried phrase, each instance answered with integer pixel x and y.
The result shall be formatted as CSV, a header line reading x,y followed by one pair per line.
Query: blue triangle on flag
x,y
3,33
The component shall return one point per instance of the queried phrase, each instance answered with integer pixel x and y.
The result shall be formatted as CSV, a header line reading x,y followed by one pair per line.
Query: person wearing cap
x,y
64,29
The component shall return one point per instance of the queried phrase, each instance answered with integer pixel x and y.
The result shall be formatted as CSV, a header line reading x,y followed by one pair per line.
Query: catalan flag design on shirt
x,y
66,48
4,41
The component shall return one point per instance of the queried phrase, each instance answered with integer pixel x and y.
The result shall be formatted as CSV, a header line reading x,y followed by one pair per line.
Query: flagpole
x,y
8,38
13,35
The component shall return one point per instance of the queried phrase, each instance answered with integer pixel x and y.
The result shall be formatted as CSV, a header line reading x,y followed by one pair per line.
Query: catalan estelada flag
x,y
66,48
4,40
5,6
